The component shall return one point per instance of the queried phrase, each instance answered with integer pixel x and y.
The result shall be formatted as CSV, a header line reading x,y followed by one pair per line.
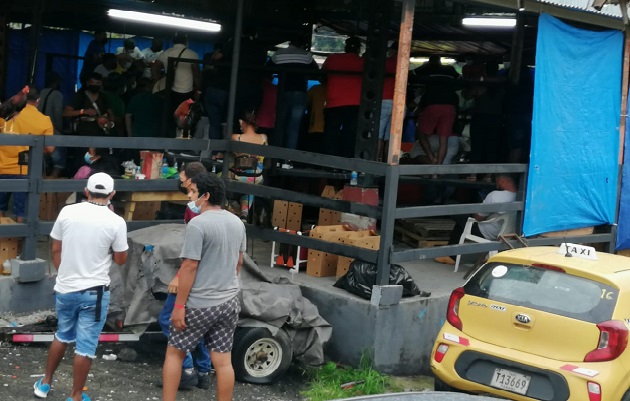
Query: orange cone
x,y
280,260
290,262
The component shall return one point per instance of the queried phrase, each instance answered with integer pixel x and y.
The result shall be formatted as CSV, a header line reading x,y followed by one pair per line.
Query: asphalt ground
x,y
116,380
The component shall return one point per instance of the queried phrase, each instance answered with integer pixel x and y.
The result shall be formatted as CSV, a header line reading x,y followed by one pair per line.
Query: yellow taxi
x,y
539,323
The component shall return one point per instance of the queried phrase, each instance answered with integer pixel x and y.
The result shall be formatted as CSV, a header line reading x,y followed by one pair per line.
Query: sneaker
x,y
203,380
189,379
40,389
84,397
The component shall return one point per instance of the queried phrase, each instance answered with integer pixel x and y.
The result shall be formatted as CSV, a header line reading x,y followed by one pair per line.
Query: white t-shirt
x,y
491,230
88,234
136,53
183,82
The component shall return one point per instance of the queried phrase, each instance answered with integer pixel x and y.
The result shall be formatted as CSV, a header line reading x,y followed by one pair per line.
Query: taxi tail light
x,y
452,314
440,352
594,391
613,340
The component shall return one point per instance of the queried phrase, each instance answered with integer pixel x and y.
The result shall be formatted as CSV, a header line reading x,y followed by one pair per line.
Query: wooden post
x,y
400,88
624,94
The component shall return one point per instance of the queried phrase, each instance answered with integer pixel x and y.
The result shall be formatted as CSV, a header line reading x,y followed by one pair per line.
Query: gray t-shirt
x,y
215,238
490,230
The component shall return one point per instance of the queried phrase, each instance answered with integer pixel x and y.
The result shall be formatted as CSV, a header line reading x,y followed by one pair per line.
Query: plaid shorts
x,y
215,324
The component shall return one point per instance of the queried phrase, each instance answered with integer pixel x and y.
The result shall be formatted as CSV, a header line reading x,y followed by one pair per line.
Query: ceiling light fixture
x,y
490,22
184,23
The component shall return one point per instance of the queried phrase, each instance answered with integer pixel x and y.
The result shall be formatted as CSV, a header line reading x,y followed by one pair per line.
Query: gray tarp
x,y
264,302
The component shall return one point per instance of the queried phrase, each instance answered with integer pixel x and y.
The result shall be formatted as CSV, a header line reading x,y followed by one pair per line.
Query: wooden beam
x,y
624,94
400,88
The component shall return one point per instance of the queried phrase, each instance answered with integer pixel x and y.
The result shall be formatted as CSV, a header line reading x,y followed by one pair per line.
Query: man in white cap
x,y
86,238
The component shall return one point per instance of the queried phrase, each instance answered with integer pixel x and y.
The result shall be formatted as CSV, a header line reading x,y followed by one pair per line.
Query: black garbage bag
x,y
361,277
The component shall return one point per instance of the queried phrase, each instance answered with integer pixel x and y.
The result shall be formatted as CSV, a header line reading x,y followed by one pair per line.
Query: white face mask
x,y
192,205
506,64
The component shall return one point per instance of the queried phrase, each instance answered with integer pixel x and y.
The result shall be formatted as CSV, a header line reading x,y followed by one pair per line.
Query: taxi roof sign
x,y
577,250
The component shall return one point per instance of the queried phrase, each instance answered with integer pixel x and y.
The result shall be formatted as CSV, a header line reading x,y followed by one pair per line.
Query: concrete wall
x,y
400,337
26,297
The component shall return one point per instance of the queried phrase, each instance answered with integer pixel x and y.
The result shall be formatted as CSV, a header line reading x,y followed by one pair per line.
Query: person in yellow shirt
x,y
28,121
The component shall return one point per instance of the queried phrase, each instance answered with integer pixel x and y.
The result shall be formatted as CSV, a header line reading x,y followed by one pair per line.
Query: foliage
x,y
326,382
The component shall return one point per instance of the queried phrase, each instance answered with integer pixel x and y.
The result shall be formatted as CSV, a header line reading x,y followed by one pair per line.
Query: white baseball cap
x,y
100,183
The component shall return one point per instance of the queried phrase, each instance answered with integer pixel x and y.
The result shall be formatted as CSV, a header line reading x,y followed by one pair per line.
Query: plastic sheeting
x,y
274,304
575,140
623,229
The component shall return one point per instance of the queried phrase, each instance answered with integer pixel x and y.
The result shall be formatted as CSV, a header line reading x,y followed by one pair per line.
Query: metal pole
x,y
36,163
236,55
400,88
35,33
387,225
516,58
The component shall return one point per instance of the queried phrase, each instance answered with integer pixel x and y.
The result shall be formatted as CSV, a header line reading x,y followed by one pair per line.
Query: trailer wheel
x,y
260,357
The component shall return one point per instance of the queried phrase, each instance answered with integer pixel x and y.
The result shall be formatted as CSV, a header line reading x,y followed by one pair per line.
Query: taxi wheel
x,y
439,385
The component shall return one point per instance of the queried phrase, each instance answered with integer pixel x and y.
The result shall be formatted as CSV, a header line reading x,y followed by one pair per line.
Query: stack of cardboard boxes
x,y
324,264
8,246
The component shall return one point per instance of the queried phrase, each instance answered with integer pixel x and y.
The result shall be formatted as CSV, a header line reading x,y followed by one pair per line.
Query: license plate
x,y
511,381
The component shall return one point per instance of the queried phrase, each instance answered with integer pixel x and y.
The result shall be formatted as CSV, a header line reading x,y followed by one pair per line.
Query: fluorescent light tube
x,y
490,22
188,24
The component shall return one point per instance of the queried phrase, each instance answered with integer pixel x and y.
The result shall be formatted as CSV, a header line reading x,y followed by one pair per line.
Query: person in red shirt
x,y
343,98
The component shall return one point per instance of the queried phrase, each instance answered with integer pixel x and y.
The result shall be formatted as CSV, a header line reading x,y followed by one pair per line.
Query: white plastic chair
x,y
507,226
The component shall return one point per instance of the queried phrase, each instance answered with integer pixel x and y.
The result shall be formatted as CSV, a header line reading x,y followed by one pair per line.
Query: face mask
x,y
192,205
94,88
506,64
88,158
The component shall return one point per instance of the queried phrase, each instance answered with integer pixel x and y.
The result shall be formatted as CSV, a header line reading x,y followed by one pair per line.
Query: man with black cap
x,y
86,238
343,98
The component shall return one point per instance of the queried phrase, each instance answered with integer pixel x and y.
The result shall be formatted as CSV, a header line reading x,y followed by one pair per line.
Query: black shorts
x,y
215,324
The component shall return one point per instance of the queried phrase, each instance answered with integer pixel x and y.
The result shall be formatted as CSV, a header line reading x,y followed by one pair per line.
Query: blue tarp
x,y
623,230
575,140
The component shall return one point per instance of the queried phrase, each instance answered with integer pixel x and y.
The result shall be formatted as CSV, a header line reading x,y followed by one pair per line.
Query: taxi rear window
x,y
544,289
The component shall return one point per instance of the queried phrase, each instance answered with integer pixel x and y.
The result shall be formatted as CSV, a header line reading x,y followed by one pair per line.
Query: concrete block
x,y
28,271
386,295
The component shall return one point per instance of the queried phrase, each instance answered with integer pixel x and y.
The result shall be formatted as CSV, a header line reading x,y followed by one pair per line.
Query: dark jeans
x,y
291,107
340,130
202,355
458,230
215,103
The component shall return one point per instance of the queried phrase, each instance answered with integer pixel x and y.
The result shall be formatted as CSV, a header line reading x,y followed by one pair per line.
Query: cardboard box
x,y
146,210
324,264
328,217
8,246
287,215
50,204
362,239
151,165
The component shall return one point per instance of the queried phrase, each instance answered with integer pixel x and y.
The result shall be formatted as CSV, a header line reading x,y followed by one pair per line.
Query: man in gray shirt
x,y
207,304
51,104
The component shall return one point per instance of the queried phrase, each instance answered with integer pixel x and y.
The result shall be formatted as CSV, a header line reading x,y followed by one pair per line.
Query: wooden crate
x,y
328,217
429,229
287,215
415,240
324,264
8,246
568,233
50,204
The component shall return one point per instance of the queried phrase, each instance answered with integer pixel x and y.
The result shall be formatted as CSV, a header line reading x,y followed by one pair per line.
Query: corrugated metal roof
x,y
610,10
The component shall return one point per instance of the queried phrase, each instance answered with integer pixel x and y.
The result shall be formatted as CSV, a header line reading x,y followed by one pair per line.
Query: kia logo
x,y
522,318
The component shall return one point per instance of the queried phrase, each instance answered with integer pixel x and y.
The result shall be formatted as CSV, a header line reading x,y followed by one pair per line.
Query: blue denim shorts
x,y
77,320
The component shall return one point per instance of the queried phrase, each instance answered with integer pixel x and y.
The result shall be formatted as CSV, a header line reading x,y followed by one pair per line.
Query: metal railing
x,y
388,177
